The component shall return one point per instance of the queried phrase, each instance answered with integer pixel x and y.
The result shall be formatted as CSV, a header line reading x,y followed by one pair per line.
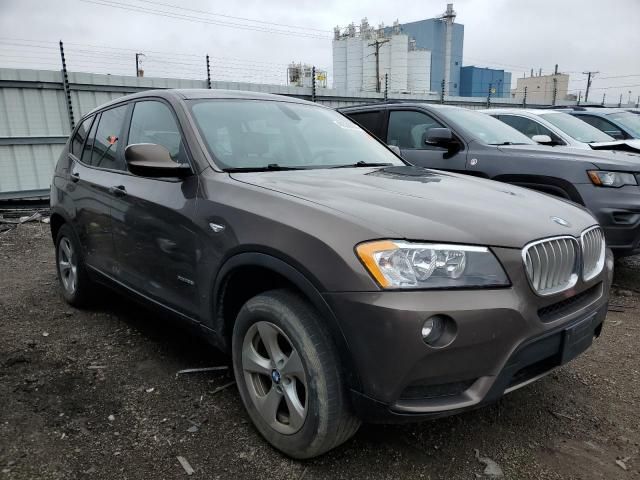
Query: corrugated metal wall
x,y
34,122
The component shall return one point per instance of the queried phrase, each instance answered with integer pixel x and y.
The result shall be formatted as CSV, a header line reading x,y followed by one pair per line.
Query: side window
x,y
105,145
80,137
371,121
88,146
407,128
603,125
524,125
153,122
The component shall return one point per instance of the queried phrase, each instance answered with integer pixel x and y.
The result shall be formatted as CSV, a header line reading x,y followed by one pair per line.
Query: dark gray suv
x,y
345,284
462,140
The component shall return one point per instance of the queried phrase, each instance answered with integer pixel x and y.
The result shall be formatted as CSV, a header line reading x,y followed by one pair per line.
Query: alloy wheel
x,y
275,377
67,265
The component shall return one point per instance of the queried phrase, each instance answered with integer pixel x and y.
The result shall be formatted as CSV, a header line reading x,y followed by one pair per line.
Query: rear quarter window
x,y
79,138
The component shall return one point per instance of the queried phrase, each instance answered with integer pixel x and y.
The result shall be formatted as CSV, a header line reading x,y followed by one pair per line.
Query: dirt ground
x,y
94,394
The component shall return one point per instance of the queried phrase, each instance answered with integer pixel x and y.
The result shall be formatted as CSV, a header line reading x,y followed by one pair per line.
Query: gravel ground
x,y
94,394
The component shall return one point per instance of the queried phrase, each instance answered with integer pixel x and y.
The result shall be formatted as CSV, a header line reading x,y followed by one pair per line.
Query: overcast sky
x,y
516,35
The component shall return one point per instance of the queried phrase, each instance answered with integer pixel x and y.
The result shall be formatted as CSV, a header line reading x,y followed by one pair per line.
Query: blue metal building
x,y
476,81
430,34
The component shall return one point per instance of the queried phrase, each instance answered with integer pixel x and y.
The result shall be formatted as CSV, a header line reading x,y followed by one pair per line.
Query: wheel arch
x,y
546,184
241,270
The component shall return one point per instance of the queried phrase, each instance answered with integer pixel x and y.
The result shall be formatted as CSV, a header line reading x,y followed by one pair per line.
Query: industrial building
x,y
542,89
363,59
479,81
301,75
416,56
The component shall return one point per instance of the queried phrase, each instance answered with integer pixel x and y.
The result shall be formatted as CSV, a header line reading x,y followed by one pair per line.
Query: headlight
x,y
396,264
611,179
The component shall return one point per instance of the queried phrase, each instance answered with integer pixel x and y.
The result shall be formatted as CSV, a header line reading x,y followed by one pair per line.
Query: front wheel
x,y
289,376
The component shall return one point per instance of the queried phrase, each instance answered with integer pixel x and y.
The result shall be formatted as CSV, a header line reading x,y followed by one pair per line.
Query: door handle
x,y
118,191
75,177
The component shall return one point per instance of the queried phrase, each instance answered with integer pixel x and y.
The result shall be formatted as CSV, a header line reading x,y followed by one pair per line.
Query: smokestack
x,y
448,17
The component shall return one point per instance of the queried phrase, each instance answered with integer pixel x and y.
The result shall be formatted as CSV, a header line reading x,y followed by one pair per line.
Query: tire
x,y
77,288
315,389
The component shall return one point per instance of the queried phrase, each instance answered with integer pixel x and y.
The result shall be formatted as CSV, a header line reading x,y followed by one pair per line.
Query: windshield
x,y
628,120
485,128
257,134
576,128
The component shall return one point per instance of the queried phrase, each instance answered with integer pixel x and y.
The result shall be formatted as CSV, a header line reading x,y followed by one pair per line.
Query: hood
x,y
422,204
632,145
602,159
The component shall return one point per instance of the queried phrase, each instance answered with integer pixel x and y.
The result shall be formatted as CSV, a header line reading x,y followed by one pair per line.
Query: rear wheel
x,y
289,377
77,288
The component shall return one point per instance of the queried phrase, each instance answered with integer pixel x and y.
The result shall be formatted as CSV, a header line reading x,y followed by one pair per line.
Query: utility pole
x,y
638,102
620,101
579,97
489,97
313,83
208,74
386,87
524,99
65,86
629,100
138,71
604,95
377,44
555,90
590,76
442,91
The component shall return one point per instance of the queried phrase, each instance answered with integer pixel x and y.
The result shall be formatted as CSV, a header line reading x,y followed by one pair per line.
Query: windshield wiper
x,y
272,167
363,164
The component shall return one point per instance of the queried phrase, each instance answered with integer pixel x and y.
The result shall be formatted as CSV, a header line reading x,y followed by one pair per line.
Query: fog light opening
x,y
438,331
432,329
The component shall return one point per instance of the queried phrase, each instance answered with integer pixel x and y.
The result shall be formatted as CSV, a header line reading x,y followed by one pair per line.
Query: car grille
x,y
552,264
593,252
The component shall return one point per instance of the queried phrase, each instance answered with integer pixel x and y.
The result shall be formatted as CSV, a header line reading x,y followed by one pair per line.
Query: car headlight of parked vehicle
x,y
398,264
612,179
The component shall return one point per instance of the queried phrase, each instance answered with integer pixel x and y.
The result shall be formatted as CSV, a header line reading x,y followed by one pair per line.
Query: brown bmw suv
x,y
346,285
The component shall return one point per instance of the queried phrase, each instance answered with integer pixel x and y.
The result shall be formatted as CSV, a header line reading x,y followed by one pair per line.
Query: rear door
x,y
154,236
90,175
406,129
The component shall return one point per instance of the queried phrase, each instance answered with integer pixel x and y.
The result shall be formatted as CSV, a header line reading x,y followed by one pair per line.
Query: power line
x,y
180,7
190,18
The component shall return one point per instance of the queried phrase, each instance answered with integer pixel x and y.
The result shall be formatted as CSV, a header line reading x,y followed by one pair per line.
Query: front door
x,y
407,128
154,236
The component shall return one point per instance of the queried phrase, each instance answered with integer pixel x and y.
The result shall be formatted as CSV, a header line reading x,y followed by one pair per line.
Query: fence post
x,y
555,90
386,87
313,83
604,95
67,90
489,97
208,74
620,101
442,91
524,99
579,97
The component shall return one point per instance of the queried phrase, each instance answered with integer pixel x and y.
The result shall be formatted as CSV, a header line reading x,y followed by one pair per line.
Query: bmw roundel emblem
x,y
275,376
561,221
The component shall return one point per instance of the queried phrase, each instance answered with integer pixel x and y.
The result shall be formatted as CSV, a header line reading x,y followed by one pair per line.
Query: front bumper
x,y
505,339
618,212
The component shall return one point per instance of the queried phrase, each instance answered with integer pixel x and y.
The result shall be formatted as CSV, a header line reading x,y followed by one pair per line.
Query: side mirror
x,y
542,139
437,136
395,149
151,160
